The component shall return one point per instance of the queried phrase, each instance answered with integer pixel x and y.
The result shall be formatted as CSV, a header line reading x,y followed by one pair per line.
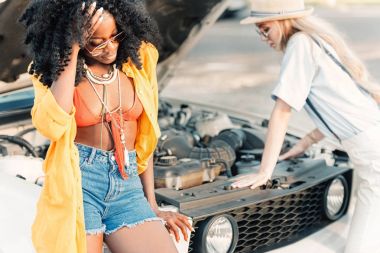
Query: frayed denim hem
x,y
134,224
97,231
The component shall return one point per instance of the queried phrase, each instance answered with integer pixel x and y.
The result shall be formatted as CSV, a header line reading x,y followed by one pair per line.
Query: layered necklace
x,y
105,80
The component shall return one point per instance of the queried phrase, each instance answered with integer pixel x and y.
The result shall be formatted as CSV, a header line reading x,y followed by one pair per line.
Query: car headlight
x,y
218,234
336,198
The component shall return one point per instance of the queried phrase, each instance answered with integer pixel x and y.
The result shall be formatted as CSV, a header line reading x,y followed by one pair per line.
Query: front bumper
x,y
266,219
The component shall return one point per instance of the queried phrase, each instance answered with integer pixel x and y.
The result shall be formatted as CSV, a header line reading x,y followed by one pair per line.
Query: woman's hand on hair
x,y
93,18
175,222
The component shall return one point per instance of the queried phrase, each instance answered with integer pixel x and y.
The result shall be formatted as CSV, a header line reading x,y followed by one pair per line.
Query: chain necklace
x,y
119,126
104,79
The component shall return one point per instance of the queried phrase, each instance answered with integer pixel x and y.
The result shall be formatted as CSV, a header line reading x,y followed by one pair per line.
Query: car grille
x,y
277,222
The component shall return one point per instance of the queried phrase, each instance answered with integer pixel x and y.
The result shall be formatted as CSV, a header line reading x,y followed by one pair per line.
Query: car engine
x,y
195,147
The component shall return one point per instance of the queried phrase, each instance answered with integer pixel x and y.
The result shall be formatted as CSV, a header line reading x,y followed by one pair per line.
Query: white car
x,y
201,151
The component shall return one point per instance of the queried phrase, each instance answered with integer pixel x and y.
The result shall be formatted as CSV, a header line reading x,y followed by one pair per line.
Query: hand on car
x,y
175,222
252,180
302,145
295,151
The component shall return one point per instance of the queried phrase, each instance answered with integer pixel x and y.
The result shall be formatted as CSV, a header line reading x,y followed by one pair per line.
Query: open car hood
x,y
181,24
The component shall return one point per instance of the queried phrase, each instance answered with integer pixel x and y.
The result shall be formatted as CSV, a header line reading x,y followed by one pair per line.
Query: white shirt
x,y
308,72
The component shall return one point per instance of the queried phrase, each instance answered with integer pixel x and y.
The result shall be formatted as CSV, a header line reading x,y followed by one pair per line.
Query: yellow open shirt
x,y
59,223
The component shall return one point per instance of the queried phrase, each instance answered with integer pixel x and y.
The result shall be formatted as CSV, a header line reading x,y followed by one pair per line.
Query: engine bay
x,y
196,146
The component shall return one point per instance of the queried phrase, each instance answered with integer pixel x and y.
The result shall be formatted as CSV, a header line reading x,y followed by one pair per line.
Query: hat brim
x,y
299,14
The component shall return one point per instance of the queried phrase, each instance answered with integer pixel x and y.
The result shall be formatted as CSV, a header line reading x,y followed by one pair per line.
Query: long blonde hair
x,y
319,29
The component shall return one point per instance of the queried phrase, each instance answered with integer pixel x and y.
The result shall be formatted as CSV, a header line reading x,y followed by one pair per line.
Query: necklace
x,y
117,124
104,79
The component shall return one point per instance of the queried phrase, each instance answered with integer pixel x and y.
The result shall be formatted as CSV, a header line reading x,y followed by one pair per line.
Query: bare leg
x,y
94,243
147,237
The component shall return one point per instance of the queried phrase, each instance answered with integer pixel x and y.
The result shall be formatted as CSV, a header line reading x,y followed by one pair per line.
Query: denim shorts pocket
x,y
83,161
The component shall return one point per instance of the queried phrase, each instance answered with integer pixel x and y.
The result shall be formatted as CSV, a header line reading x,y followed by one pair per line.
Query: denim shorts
x,y
110,202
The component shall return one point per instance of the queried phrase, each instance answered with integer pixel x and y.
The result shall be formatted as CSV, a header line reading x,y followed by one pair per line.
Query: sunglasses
x,y
263,33
94,51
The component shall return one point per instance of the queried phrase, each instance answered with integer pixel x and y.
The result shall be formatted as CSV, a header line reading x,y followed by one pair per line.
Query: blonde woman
x,y
321,74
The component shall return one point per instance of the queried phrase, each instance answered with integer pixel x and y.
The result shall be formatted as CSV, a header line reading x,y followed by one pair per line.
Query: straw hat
x,y
269,10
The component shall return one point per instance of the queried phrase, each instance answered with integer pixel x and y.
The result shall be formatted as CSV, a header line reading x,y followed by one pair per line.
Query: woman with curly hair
x,y
94,74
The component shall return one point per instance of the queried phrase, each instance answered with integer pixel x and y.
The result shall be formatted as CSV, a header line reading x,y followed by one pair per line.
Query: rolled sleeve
x,y
150,58
297,72
145,145
47,116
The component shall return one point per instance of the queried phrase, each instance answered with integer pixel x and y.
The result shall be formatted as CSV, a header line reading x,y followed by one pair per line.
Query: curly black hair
x,y
52,26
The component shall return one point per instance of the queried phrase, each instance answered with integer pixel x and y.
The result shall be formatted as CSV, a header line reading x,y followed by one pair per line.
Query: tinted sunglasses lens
x,y
93,52
101,46
258,31
96,52
264,33
118,38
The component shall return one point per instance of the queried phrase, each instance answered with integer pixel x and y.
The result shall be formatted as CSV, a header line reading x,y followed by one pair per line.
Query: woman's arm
x,y
174,221
52,108
147,180
278,125
303,144
63,88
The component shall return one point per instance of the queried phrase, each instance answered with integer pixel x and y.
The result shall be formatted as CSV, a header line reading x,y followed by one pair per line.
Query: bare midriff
x,y
91,135
93,129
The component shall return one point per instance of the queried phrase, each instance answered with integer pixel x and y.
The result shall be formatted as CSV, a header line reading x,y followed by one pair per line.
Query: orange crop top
x,y
84,117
